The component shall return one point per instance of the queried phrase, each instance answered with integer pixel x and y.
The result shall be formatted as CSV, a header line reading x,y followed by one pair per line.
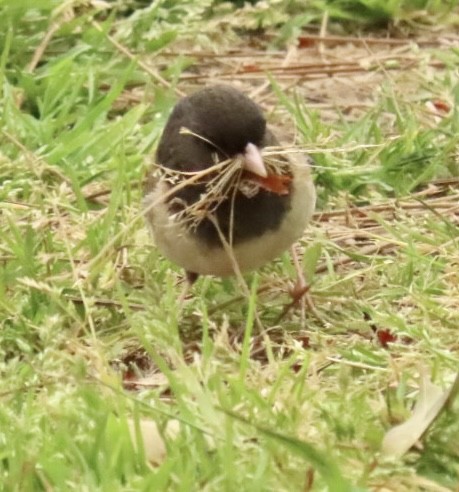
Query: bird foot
x,y
298,291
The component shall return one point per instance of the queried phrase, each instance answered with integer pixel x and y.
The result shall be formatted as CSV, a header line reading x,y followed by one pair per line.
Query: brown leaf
x,y
441,105
385,337
306,42
275,183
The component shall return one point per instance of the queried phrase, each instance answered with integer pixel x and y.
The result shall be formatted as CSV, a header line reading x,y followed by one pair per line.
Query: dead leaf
x,y
148,433
432,400
275,183
249,67
441,105
385,337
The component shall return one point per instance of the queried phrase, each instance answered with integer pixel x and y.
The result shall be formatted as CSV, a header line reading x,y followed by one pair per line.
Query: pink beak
x,y
253,162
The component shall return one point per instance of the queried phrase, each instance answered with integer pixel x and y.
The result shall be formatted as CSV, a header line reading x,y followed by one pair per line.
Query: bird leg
x,y
190,279
299,291
301,287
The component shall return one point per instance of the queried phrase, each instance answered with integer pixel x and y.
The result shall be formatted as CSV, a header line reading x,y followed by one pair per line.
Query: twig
x,y
125,51
33,159
105,303
329,39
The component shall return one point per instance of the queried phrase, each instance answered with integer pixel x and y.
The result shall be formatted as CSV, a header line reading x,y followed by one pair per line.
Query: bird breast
x,y
173,239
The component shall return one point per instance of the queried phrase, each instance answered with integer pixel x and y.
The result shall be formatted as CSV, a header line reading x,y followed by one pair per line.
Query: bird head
x,y
216,120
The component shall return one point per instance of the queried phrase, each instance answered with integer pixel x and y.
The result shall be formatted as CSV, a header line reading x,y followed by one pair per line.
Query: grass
x,y
91,334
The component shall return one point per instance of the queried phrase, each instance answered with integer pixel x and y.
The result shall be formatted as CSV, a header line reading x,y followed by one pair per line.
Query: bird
x,y
221,196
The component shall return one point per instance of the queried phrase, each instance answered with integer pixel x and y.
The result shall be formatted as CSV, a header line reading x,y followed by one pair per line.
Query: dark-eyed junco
x,y
221,190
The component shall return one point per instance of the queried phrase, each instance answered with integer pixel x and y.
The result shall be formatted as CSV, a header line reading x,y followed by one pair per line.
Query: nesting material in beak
x,y
253,162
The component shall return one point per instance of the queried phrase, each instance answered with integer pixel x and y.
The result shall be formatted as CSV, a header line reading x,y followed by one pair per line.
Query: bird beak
x,y
253,162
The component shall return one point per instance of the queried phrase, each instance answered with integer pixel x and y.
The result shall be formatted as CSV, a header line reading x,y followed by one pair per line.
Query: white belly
x,y
179,246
